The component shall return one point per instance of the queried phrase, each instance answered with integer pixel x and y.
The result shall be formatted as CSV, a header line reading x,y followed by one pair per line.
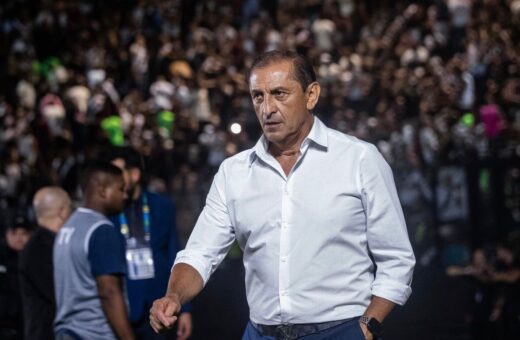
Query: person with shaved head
x,y
52,207
89,262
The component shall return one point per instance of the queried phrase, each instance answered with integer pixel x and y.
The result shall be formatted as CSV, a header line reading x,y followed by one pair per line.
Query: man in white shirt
x,y
316,214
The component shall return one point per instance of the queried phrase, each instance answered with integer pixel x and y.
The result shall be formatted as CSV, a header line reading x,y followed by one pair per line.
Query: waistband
x,y
294,331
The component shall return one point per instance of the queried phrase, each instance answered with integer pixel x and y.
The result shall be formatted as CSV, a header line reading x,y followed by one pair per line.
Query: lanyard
x,y
125,230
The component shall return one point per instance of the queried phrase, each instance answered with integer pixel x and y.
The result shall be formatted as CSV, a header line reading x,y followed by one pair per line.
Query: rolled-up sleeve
x,y
387,234
213,234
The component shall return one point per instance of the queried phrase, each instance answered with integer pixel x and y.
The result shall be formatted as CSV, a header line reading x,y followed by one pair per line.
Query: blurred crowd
x,y
493,275
429,82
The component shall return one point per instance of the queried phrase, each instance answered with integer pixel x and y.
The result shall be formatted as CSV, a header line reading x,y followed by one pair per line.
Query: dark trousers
x,y
349,330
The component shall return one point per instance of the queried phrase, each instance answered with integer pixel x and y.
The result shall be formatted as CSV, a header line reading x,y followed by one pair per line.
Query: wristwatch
x,y
375,327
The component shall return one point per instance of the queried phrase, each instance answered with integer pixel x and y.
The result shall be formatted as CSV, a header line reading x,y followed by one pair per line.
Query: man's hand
x,y
366,332
163,313
185,283
185,326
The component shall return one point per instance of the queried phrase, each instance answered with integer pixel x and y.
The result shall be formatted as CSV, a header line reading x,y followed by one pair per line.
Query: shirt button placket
x,y
283,274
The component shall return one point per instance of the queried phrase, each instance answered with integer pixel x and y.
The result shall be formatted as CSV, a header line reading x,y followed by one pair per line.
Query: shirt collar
x,y
89,211
318,135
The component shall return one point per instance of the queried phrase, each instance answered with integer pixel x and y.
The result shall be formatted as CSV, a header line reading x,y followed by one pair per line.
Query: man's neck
x,y
96,206
284,151
291,148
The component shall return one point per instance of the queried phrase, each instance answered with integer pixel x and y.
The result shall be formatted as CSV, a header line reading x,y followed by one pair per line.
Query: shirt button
x,y
283,259
284,293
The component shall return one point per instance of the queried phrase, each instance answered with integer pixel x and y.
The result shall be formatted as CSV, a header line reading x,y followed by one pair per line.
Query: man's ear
x,y
65,211
101,189
313,94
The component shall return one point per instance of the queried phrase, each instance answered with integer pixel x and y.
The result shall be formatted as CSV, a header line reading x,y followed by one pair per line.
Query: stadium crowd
x,y
428,82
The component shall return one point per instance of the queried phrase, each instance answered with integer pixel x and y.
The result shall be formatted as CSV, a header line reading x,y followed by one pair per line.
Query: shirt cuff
x,y
394,291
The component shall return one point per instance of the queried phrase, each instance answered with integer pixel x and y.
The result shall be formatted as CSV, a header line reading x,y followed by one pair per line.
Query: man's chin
x,y
272,136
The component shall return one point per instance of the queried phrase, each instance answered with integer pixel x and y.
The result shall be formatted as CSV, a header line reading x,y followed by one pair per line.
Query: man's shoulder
x,y
340,139
103,232
241,157
86,218
40,242
239,161
80,227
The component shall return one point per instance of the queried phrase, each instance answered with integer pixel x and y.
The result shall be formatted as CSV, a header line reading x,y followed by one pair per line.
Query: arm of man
x,y
184,321
185,283
379,308
110,292
106,254
209,243
387,238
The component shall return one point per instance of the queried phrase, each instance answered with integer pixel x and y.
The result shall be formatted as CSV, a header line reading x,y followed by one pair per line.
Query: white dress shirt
x,y
317,243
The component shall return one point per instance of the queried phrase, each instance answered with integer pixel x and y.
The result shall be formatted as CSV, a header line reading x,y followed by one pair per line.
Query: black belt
x,y
294,331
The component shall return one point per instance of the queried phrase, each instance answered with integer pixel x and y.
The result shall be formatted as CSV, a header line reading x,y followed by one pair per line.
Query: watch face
x,y
374,326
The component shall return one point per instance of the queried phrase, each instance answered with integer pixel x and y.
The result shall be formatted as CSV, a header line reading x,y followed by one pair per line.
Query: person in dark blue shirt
x,y
148,224
89,262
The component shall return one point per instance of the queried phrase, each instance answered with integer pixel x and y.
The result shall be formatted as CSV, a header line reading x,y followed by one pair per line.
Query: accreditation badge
x,y
139,260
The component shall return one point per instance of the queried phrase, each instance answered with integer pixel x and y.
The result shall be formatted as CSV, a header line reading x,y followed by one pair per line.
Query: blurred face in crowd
x,y
479,258
132,176
114,194
281,105
17,238
505,255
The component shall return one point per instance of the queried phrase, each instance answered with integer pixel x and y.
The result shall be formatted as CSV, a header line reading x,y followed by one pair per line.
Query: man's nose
x,y
269,106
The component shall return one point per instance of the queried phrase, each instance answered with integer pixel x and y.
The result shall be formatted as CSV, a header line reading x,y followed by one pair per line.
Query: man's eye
x,y
257,97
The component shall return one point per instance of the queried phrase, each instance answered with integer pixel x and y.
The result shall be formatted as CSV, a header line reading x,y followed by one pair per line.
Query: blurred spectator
x,y
15,238
52,207
496,294
447,69
148,224
507,277
89,262
479,272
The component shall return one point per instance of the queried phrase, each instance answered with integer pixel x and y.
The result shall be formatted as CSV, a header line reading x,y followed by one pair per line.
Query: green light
x,y
468,119
113,126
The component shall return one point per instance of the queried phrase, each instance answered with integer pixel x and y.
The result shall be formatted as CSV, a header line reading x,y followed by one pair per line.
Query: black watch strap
x,y
375,327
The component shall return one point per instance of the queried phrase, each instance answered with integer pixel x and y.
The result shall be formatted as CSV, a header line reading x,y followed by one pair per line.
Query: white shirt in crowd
x,y
308,238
